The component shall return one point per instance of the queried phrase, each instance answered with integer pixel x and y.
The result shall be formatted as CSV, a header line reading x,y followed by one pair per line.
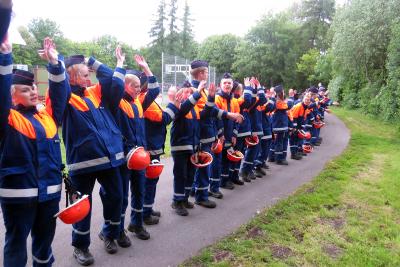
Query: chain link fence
x,y
175,70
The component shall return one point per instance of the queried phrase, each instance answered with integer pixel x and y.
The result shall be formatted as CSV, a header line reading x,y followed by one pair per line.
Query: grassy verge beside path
x,y
349,215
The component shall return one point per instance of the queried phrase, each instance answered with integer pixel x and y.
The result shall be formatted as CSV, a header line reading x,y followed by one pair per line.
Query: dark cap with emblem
x,y
186,84
198,64
278,89
227,75
313,90
75,59
22,77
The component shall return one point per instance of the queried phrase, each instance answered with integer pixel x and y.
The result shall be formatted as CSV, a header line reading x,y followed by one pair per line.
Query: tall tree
x,y
218,50
157,31
317,16
173,35
41,28
187,33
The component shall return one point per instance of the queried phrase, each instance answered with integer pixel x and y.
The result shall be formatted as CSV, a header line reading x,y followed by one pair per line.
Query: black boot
x,y
264,166
187,204
151,220
259,170
109,244
139,231
238,182
83,256
123,240
228,185
282,162
245,177
156,213
218,194
207,203
179,208
295,157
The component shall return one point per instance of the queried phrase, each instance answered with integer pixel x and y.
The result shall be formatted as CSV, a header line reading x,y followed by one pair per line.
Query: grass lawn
x,y
349,215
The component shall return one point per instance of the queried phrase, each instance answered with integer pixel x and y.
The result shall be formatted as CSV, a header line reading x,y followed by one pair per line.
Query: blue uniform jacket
x,y
92,138
30,155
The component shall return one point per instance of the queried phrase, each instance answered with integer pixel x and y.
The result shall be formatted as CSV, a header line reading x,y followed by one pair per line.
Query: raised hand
x,y
49,52
6,47
246,82
291,92
120,56
202,85
212,89
143,64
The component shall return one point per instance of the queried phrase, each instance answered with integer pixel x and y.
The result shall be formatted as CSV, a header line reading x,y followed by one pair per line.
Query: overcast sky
x,y
130,21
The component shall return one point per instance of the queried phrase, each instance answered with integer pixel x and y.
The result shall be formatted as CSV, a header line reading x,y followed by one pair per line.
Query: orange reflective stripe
x,y
49,109
139,107
126,107
154,112
189,114
25,127
78,103
47,122
94,94
21,124
235,106
281,105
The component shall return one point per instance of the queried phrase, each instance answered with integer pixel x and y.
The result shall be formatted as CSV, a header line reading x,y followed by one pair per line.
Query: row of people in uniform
x,y
101,125
267,123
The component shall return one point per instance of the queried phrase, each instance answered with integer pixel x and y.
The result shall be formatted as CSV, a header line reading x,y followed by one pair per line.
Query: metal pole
x,y
162,76
214,75
175,70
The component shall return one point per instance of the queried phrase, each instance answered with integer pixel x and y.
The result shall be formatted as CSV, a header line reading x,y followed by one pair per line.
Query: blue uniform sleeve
x,y
189,104
154,91
261,96
169,114
112,82
5,95
247,96
290,102
59,89
5,18
270,105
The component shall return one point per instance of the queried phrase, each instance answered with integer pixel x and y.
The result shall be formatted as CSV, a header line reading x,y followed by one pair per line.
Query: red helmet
x,y
75,212
137,159
201,159
307,148
303,134
251,140
234,155
318,124
216,147
155,169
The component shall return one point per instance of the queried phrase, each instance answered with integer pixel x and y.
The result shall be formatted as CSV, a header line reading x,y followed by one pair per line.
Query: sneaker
x,y
179,208
187,204
206,203
109,244
156,213
218,194
151,220
139,231
123,240
282,162
228,185
259,170
83,256
238,182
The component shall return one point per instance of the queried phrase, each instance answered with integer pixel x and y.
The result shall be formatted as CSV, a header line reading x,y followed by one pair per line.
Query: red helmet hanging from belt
x,y
201,159
155,169
75,212
307,148
216,147
304,134
137,159
251,140
234,155
318,124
